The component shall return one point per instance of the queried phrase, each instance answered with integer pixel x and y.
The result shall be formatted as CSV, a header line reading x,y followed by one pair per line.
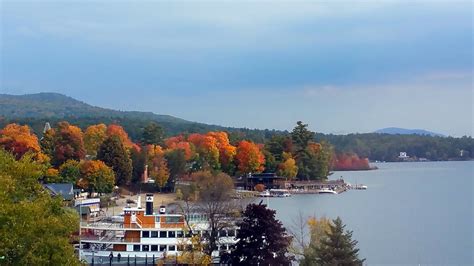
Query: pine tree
x,y
153,134
338,248
262,239
113,154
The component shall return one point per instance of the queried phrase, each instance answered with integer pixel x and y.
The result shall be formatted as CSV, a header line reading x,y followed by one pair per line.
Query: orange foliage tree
x,y
68,144
206,147
93,137
96,176
227,152
249,157
180,143
116,130
18,140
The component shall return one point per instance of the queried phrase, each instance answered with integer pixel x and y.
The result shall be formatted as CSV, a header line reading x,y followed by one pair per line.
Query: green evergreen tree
x,y
262,239
176,165
338,248
301,136
138,164
113,154
153,134
47,143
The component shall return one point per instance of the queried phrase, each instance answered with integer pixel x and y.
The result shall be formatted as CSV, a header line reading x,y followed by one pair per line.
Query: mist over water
x,y
411,213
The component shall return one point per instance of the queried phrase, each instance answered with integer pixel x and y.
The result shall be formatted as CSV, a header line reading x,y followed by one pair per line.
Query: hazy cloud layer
x,y
341,66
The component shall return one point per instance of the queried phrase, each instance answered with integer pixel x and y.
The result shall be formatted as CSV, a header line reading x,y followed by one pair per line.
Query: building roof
x,y
65,190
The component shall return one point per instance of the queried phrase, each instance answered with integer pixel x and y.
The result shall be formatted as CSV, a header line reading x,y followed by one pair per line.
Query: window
x,y
146,234
171,234
172,219
154,247
162,247
145,248
222,233
163,234
172,248
136,247
180,247
154,234
179,234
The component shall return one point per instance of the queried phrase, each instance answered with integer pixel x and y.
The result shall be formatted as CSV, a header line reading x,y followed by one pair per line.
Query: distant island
x,y
35,110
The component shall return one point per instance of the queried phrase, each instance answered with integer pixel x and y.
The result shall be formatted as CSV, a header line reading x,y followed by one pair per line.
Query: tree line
x,y
374,146
103,156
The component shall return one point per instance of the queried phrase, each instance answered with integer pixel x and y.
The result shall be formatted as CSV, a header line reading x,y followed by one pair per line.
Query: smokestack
x,y
149,204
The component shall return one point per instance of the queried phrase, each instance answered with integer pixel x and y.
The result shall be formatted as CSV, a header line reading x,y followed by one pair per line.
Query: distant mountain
x,y
404,131
37,109
55,105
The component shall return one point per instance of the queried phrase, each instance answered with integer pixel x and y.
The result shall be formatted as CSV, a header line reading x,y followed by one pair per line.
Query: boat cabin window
x,y
172,248
172,219
136,247
154,247
163,234
171,234
146,234
145,248
154,234
162,247
222,233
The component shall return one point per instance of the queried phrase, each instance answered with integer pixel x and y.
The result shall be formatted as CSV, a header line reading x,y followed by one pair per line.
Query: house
x,y
64,190
269,180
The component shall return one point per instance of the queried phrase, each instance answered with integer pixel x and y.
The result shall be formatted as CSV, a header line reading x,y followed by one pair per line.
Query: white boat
x,y
264,194
144,235
326,191
281,193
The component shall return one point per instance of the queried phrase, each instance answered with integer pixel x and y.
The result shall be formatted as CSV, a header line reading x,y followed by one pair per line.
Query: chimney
x,y
162,209
149,204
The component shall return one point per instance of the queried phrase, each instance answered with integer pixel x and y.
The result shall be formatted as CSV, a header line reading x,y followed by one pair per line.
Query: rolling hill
x,y
404,131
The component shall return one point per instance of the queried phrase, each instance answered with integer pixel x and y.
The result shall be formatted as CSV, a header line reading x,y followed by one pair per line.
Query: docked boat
x,y
281,193
141,233
326,191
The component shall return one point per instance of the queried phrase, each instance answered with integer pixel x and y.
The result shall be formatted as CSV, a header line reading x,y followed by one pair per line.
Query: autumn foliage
x,y
249,157
347,162
68,143
116,130
18,140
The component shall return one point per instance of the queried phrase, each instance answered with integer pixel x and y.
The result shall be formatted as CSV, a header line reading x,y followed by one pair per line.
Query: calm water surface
x,y
412,213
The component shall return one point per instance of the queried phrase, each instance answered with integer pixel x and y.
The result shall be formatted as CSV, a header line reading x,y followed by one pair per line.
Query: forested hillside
x,y
37,109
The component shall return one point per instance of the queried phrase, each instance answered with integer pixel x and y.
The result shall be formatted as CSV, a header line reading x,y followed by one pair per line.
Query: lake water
x,y
411,213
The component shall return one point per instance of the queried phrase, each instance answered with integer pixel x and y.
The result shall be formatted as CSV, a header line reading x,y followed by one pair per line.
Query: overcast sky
x,y
341,66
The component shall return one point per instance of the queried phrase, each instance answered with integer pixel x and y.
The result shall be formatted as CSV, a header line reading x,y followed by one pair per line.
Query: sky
x,y
339,66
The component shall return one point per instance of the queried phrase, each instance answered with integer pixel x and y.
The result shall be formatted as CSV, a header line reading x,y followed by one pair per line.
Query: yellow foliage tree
x,y
93,137
288,167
